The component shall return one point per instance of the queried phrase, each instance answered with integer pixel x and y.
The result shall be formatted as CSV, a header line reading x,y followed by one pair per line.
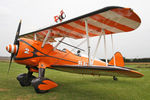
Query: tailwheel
x,y
25,79
115,78
43,85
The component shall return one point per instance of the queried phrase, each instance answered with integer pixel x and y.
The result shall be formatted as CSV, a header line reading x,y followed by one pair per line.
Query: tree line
x,y
137,60
133,59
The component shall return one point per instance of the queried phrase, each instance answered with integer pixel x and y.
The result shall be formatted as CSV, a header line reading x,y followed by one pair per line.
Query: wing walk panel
x,y
111,19
98,70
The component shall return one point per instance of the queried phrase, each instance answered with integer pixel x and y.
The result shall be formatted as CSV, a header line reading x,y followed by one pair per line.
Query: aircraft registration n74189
x,y
36,52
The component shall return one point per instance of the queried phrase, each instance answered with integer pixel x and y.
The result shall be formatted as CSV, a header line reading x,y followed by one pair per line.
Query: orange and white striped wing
x,y
111,19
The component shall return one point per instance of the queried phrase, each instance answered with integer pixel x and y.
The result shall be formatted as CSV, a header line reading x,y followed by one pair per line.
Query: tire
x,y
24,79
115,78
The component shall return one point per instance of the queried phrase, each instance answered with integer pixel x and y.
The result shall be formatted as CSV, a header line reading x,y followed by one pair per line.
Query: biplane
x,y
36,52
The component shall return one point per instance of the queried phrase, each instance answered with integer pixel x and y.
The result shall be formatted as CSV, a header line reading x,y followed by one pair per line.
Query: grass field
x,y
75,86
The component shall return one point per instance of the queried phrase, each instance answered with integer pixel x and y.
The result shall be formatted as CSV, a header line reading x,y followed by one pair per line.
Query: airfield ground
x,y
75,86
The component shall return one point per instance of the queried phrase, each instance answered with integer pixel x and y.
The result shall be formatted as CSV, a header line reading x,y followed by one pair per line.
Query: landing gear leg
x,y
25,78
115,78
41,84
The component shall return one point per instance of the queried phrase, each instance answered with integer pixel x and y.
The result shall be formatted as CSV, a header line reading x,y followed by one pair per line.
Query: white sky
x,y
36,14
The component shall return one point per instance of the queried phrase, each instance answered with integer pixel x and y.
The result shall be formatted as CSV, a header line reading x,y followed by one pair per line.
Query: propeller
x,y
15,43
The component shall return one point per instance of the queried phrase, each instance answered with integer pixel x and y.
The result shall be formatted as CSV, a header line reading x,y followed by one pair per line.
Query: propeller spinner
x,y
11,48
14,47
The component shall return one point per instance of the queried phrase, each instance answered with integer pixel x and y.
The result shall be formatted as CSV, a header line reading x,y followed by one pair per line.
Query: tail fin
x,y
118,60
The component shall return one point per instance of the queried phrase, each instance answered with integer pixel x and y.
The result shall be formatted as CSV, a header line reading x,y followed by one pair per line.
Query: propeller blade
x,y
11,58
15,42
18,32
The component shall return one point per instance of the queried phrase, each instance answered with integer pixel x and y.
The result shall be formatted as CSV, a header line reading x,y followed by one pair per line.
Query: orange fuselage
x,y
30,53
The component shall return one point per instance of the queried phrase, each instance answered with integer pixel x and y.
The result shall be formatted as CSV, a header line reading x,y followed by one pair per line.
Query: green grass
x,y
75,86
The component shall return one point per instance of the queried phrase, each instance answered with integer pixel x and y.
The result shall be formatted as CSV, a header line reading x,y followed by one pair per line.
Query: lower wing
x,y
99,70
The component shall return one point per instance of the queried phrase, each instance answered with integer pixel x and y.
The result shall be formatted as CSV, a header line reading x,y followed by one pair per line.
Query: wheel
x,y
115,78
43,85
25,79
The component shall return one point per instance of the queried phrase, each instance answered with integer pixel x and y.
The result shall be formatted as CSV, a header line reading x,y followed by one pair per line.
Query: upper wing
x,y
112,19
99,70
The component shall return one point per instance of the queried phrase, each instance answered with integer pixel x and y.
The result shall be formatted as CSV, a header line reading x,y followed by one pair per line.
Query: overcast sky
x,y
37,14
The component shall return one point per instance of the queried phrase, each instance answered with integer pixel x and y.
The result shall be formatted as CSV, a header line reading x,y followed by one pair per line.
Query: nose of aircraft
x,y
11,48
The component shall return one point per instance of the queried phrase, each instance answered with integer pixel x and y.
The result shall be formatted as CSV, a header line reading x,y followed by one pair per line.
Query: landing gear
x,y
115,78
25,79
41,84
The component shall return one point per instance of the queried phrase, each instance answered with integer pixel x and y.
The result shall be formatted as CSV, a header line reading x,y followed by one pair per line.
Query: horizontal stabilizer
x,y
99,70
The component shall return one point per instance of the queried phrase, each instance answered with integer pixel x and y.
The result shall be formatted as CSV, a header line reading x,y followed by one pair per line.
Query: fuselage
x,y
31,53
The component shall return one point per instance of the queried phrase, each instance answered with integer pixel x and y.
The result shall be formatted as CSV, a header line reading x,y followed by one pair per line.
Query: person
x,y
78,53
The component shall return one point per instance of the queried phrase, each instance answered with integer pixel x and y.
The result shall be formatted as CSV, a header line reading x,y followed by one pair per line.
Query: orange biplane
x,y
35,49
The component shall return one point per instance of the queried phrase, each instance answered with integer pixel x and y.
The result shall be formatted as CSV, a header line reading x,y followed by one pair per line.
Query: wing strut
x,y
88,42
59,43
79,44
46,37
96,48
72,46
113,49
35,37
105,50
